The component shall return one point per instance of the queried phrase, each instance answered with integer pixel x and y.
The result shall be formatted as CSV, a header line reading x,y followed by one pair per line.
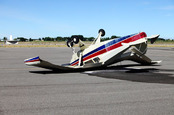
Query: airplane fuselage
x,y
103,51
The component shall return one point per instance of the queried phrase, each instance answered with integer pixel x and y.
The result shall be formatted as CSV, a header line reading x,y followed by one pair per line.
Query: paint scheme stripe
x,y
108,44
32,60
97,49
104,50
35,58
95,54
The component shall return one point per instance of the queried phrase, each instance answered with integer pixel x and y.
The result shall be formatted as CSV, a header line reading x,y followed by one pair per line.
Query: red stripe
x,y
95,54
113,46
75,63
32,60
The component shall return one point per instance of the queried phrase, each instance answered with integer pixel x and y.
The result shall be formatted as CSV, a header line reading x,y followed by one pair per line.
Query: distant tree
x,y
112,37
66,38
22,39
162,39
90,39
48,39
15,39
104,39
30,39
5,38
58,38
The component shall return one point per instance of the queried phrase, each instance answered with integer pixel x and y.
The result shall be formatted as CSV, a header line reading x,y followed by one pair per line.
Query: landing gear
x,y
102,31
75,40
69,43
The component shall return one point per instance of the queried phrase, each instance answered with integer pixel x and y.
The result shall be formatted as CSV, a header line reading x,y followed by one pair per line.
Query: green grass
x,y
38,44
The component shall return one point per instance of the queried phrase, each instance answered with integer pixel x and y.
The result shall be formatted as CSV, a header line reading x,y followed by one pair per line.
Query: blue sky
x,y
42,18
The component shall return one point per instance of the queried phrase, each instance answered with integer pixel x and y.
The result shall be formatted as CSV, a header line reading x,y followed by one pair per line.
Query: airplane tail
x,y
153,38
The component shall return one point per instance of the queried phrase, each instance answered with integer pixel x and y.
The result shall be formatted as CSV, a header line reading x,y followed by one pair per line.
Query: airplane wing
x,y
36,61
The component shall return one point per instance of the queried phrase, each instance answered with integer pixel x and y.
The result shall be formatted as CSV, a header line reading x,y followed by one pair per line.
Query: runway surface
x,y
121,89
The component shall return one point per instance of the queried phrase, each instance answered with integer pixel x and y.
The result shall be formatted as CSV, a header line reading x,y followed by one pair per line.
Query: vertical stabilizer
x,y
11,38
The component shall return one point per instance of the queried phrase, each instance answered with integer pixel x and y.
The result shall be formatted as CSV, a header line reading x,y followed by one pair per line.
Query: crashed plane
x,y
11,41
102,53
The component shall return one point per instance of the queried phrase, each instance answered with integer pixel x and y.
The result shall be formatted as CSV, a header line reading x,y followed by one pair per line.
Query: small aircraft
x,y
11,41
101,54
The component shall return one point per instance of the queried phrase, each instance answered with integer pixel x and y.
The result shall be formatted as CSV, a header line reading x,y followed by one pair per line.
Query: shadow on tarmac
x,y
147,75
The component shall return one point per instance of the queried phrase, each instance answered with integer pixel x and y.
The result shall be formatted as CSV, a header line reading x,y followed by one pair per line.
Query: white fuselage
x,y
102,52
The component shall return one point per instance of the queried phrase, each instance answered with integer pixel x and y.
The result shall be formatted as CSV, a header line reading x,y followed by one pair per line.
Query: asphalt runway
x,y
124,88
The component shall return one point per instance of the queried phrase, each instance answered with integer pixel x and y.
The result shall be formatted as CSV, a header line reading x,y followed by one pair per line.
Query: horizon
x,y
1,39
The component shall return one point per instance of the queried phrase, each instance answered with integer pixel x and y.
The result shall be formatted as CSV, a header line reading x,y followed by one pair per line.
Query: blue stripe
x,y
33,59
74,61
115,41
98,49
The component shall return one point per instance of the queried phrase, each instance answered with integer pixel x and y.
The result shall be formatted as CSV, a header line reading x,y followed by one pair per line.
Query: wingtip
x,y
32,61
156,62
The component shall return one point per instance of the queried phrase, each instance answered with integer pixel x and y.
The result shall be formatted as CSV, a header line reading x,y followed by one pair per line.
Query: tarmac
x,y
125,88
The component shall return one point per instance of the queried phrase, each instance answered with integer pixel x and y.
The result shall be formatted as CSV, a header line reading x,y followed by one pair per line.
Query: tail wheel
x,y
69,43
102,32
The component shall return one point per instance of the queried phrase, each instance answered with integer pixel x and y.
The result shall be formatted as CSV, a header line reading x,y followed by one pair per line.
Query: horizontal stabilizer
x,y
153,38
156,62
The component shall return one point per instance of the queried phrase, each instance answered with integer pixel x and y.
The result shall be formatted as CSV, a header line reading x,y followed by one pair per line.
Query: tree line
x,y
59,38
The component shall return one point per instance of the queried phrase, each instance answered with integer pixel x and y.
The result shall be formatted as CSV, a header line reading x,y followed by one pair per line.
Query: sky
x,y
42,18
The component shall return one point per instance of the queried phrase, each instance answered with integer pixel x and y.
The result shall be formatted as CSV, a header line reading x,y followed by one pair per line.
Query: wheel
x,y
69,43
76,40
102,31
